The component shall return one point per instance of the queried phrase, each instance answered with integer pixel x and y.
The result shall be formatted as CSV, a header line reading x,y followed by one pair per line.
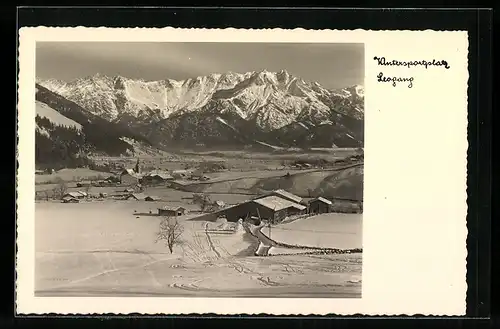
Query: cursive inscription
x,y
409,64
394,80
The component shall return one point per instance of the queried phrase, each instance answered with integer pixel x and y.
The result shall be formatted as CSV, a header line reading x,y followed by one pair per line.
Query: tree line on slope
x,y
103,135
59,146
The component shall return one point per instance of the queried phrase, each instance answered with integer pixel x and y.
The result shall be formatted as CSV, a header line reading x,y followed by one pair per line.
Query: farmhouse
x,y
320,205
272,208
136,196
83,194
113,179
204,178
99,183
197,173
283,195
69,199
219,204
156,178
180,174
347,206
275,209
129,177
83,184
152,198
171,211
75,195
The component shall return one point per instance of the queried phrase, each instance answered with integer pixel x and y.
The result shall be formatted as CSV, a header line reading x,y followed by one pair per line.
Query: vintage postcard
x,y
183,171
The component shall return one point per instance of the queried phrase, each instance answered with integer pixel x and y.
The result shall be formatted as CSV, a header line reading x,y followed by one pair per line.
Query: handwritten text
x,y
409,64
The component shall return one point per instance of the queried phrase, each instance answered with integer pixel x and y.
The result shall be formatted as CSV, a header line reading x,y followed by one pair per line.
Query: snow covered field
x,y
104,249
343,231
45,111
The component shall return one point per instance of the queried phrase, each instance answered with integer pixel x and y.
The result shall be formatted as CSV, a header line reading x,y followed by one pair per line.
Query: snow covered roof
x,y
287,195
161,174
68,196
322,200
72,195
138,196
130,172
276,203
173,208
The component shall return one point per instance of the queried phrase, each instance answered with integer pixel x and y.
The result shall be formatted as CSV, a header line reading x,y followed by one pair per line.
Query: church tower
x,y
137,168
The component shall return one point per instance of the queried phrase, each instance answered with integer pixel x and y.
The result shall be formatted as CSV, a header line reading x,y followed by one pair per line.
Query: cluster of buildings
x,y
109,181
74,197
273,207
134,176
48,171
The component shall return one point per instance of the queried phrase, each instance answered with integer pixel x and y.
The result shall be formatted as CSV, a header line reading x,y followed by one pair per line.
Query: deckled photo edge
x,y
24,81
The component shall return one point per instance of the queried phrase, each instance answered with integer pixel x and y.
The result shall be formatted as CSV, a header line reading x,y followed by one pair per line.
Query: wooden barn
x,y
155,178
84,183
271,208
172,211
75,195
69,199
283,195
181,174
320,205
129,177
136,196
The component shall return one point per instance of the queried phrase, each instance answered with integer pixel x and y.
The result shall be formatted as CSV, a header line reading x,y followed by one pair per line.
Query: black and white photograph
x,y
199,169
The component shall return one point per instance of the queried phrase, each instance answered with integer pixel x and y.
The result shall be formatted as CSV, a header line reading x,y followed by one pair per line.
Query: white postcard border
x,y
414,221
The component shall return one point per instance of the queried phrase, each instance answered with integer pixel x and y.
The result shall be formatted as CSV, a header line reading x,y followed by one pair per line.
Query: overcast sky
x,y
332,65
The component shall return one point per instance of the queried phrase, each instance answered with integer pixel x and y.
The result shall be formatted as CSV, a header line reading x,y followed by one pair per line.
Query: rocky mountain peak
x,y
269,100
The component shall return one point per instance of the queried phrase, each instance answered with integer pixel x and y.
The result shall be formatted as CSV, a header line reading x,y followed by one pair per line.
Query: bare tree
x,y
46,195
170,232
202,200
60,190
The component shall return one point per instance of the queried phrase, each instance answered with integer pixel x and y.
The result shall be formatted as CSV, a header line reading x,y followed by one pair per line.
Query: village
x,y
229,222
201,218
131,184
174,225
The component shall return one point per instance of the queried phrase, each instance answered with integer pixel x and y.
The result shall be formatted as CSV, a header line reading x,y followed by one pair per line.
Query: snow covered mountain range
x,y
231,108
